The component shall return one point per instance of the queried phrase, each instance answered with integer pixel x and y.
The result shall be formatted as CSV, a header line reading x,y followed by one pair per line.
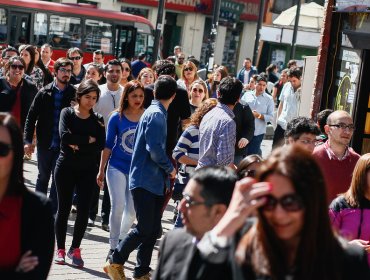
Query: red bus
x,y
74,25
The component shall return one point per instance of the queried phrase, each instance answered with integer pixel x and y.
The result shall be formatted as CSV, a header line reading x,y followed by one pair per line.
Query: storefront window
x,y
3,25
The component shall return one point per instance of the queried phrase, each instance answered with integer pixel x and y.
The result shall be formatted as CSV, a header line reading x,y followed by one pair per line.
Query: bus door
x,y
125,41
20,28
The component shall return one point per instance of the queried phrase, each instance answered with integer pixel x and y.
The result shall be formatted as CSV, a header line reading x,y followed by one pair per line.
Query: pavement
x,y
95,246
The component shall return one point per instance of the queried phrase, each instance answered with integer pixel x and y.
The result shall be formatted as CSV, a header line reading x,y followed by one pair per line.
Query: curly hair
x,y
199,113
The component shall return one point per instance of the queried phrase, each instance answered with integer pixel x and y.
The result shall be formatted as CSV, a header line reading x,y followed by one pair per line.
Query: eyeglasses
x,y
5,149
63,70
290,203
15,66
344,126
75,58
182,58
308,142
188,69
126,69
197,90
189,201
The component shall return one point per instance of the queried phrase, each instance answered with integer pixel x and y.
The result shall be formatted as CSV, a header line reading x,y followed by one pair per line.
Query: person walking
x,y
117,153
82,136
148,180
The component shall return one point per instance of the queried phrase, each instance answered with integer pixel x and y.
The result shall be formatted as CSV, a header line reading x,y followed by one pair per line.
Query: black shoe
x,y
105,227
110,252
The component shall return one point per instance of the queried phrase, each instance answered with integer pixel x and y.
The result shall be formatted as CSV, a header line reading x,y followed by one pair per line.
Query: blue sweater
x,y
120,139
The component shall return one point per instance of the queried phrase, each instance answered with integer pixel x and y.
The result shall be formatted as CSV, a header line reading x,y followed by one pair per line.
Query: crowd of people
x,y
144,135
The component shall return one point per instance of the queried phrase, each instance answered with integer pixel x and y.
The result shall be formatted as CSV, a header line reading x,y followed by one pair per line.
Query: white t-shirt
x,y
246,76
108,101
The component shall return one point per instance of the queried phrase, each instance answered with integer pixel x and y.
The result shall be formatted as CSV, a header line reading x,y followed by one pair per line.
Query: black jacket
x,y
244,120
8,97
37,235
42,111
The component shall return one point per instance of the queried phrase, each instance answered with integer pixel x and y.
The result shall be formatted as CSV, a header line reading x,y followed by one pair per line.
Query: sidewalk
x,y
95,246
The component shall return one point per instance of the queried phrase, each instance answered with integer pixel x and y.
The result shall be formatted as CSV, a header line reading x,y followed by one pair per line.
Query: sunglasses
x,y
15,66
290,203
188,69
198,90
4,149
75,58
126,69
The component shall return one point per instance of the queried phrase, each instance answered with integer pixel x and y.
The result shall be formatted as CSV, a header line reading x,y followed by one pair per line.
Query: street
x,y
95,243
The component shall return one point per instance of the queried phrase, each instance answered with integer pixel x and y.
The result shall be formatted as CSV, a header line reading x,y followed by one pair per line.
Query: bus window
x,y
125,42
98,36
64,32
40,27
19,28
3,25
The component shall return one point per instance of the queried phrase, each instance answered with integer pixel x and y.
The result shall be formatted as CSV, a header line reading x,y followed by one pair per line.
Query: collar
x,y
331,153
55,87
226,109
159,104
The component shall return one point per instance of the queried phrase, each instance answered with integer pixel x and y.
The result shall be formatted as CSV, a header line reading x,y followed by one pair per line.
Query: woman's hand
x,y
100,179
362,243
247,197
27,263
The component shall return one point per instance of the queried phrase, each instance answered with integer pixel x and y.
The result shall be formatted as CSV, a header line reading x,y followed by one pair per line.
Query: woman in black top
x,y
82,137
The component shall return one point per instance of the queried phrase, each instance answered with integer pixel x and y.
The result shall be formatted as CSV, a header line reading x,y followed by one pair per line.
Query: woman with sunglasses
x,y
249,166
186,152
82,136
126,72
350,212
16,93
198,93
292,238
146,76
218,74
28,53
118,152
188,75
26,218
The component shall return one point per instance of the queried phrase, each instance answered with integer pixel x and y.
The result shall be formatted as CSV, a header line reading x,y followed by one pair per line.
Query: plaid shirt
x,y
217,136
58,96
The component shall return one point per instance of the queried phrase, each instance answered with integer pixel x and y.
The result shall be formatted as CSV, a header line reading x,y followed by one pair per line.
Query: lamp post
x,y
258,34
295,31
213,35
158,29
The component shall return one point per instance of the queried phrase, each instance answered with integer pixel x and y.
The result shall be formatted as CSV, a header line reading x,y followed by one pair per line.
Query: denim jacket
x,y
150,165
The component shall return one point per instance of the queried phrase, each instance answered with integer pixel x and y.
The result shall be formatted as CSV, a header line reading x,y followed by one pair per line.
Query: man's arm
x,y
32,116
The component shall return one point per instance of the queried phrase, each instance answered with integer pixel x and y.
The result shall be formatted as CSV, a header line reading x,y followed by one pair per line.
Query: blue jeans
x,y
254,146
148,214
46,159
122,214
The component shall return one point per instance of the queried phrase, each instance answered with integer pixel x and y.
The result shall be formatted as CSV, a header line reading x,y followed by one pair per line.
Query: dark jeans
x,y
46,159
254,146
69,177
148,214
105,206
278,139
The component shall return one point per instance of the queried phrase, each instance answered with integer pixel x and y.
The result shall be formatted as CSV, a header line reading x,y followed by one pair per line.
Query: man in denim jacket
x,y
148,181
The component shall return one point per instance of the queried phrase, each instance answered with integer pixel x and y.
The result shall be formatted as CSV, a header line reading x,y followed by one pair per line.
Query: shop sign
x,y
352,5
250,8
231,10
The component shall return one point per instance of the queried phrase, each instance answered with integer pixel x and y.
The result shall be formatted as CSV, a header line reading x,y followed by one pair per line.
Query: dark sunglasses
x,y
290,203
4,149
75,58
188,69
126,69
198,90
15,66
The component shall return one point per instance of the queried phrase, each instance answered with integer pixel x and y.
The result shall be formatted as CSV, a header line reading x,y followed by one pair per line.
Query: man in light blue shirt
x,y
262,106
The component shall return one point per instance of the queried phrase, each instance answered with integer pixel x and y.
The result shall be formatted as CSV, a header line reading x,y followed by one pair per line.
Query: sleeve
x,y
335,215
210,252
183,145
226,144
66,135
155,129
269,115
32,116
112,131
247,123
100,137
184,106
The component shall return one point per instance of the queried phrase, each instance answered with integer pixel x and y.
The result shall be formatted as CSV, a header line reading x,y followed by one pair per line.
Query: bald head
x,y
337,115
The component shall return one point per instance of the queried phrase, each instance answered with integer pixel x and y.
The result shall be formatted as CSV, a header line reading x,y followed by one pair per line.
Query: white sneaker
x,y
91,223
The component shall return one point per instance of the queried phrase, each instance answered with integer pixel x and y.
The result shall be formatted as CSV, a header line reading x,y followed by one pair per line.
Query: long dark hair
x,y
16,183
31,50
125,60
129,87
319,253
